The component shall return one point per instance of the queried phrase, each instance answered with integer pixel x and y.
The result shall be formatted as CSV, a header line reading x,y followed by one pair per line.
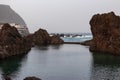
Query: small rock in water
x,y
32,78
5,77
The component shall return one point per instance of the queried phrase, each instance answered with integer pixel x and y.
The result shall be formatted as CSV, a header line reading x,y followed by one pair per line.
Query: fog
x,y
61,15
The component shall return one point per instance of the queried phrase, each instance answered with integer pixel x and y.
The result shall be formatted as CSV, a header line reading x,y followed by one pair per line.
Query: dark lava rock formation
x,y
32,78
106,33
41,37
56,40
11,42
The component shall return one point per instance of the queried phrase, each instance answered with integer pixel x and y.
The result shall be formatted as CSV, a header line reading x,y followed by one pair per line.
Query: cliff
x,y
7,15
106,33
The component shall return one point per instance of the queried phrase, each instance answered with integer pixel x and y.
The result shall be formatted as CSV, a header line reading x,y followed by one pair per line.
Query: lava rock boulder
x,y
106,33
11,42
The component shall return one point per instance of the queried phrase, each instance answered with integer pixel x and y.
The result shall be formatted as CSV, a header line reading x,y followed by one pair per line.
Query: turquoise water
x,y
81,38
68,39
63,62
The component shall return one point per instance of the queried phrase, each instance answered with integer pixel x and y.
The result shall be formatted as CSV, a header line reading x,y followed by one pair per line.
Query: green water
x,y
64,62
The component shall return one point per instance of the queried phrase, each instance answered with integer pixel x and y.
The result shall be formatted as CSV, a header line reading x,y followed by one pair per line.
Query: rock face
x,y
41,37
56,40
7,15
11,42
106,33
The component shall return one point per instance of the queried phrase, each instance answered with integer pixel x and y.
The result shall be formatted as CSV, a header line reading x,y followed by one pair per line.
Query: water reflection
x,y
47,47
42,47
56,46
11,65
105,67
63,62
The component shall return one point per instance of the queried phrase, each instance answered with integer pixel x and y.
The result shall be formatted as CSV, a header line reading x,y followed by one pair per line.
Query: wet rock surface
x,y
106,33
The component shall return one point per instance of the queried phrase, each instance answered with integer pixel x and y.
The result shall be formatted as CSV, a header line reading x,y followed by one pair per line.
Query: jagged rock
x,y
41,37
56,40
32,78
11,42
106,33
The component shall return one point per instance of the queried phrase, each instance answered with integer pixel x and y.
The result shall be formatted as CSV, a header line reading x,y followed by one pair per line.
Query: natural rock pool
x,y
64,62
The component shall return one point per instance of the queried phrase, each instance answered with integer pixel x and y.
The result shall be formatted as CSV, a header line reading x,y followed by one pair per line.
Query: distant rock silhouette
x,y
11,42
41,37
106,33
7,15
56,40
32,78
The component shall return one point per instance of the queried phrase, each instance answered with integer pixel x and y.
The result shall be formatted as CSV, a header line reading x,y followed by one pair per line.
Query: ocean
x,y
63,62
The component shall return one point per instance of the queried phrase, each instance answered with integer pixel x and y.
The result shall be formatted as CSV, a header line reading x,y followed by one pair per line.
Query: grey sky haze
x,y
61,15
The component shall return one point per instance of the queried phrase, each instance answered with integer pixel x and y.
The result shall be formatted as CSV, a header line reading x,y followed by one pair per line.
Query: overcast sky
x,y
61,15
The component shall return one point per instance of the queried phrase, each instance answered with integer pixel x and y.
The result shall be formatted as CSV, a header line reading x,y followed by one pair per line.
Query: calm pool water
x,y
64,62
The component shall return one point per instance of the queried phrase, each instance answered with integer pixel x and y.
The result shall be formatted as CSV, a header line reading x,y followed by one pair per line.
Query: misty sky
x,y
61,15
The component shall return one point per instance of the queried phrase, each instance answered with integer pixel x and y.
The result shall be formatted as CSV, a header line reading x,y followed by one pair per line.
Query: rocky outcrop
x,y
11,42
32,78
106,33
41,37
56,40
86,43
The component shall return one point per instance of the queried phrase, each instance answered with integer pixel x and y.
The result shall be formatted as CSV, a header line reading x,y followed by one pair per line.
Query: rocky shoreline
x,y
105,29
12,43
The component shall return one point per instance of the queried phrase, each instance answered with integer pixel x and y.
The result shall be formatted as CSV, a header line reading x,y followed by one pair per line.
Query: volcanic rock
x,y
56,40
106,33
11,42
41,37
